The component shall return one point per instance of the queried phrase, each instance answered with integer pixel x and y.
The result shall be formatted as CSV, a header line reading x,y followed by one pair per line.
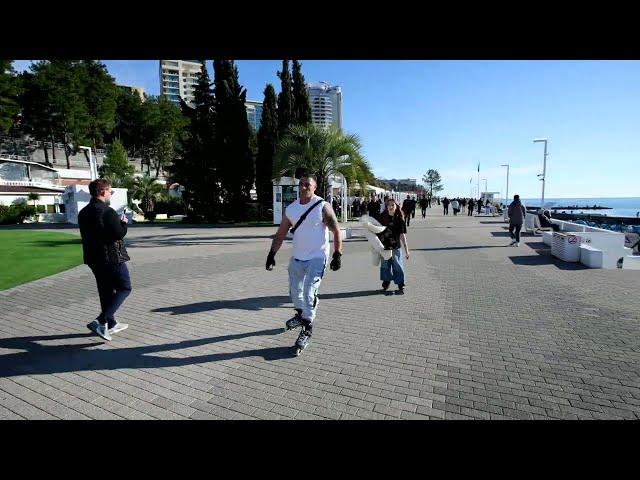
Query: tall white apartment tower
x,y
178,78
326,104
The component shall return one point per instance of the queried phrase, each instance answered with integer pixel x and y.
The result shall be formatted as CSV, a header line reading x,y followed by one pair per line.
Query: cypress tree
x,y
301,108
285,101
267,142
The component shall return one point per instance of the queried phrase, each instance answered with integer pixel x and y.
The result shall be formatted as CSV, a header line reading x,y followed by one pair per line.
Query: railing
x,y
29,183
24,158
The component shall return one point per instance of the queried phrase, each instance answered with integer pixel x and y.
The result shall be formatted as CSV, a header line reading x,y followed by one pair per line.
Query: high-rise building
x,y
326,104
254,113
138,90
178,78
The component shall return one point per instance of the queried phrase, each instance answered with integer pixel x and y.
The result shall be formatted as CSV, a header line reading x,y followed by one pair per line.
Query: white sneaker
x,y
516,244
512,242
101,331
118,327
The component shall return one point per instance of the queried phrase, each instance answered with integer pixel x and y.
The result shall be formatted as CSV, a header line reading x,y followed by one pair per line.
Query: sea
x,y
620,207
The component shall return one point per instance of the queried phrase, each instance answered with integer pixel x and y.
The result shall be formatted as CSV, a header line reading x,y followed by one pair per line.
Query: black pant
x,y
515,228
114,286
446,210
470,212
424,212
407,217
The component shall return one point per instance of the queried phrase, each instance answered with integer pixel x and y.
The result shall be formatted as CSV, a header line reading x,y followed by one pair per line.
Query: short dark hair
x,y
310,177
98,186
516,197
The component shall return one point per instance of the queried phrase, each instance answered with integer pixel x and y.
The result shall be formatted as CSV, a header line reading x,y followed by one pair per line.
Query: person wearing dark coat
x,y
517,214
104,251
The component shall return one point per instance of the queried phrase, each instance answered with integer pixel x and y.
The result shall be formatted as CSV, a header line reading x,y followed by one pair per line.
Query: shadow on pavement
x,y
44,359
254,303
467,247
544,257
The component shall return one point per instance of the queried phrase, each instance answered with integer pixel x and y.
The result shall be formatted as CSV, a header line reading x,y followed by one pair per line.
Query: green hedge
x,y
12,214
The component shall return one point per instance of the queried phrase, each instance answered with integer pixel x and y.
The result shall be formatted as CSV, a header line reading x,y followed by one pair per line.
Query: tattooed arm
x,y
330,220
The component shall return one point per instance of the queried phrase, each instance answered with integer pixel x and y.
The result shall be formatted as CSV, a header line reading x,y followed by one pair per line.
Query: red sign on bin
x,y
572,239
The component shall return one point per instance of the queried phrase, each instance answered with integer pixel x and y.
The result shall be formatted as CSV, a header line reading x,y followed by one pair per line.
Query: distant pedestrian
x,y
423,205
455,205
516,215
471,205
406,209
445,204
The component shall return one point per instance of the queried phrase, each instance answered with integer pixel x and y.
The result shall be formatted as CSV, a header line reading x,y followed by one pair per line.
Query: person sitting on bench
x,y
545,221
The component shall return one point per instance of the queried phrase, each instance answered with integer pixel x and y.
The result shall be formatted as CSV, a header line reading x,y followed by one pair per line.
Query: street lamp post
x,y
93,166
506,196
544,167
344,201
484,197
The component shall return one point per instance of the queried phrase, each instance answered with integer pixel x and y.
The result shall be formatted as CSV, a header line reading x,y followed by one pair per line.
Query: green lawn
x,y
29,255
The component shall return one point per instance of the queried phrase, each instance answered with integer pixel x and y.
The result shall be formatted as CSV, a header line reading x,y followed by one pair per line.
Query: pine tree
x,y
285,101
267,144
197,169
116,166
9,91
99,94
301,114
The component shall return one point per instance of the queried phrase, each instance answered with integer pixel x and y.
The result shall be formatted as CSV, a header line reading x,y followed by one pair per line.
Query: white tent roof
x,y
371,188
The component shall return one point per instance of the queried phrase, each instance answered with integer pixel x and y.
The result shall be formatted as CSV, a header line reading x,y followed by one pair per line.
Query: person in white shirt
x,y
310,254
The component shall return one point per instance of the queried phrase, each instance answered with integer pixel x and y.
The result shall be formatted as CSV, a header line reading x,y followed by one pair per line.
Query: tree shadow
x,y
468,247
189,239
48,359
56,243
254,303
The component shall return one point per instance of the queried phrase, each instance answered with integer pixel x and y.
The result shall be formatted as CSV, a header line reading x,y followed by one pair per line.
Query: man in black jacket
x,y
104,252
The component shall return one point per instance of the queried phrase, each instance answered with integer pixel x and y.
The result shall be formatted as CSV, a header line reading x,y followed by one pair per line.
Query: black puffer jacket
x,y
102,233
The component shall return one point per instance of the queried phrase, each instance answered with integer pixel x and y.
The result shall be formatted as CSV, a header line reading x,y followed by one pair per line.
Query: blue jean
x,y
393,269
114,286
305,277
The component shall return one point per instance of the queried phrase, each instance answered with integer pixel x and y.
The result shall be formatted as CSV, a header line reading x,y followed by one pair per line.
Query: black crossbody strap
x,y
304,215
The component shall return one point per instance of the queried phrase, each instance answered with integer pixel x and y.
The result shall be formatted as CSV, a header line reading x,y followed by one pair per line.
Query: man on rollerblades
x,y
311,218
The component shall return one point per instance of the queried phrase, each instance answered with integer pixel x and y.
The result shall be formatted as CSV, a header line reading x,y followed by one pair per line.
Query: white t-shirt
x,y
311,238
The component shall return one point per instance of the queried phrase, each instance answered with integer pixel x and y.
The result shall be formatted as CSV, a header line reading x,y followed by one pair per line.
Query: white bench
x,y
590,256
532,224
631,262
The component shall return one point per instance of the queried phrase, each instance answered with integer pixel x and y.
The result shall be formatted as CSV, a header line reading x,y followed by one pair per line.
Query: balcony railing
x,y
29,183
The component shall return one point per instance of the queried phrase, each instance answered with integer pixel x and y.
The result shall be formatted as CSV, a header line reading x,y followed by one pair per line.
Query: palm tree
x,y
147,189
322,152
35,197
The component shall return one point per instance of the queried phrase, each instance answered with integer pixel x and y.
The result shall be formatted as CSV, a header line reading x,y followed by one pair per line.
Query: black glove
x,y
336,262
271,260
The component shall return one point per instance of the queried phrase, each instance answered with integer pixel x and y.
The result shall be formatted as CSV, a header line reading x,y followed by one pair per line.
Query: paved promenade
x,y
484,331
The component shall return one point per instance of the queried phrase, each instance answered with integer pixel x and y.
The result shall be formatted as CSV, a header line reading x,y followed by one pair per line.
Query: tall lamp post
x,y
506,195
544,167
93,166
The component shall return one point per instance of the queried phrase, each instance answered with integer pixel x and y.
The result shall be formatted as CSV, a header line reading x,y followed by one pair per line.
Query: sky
x,y
450,116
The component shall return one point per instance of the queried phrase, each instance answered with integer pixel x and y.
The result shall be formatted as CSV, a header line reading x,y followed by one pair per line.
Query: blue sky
x,y
452,115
